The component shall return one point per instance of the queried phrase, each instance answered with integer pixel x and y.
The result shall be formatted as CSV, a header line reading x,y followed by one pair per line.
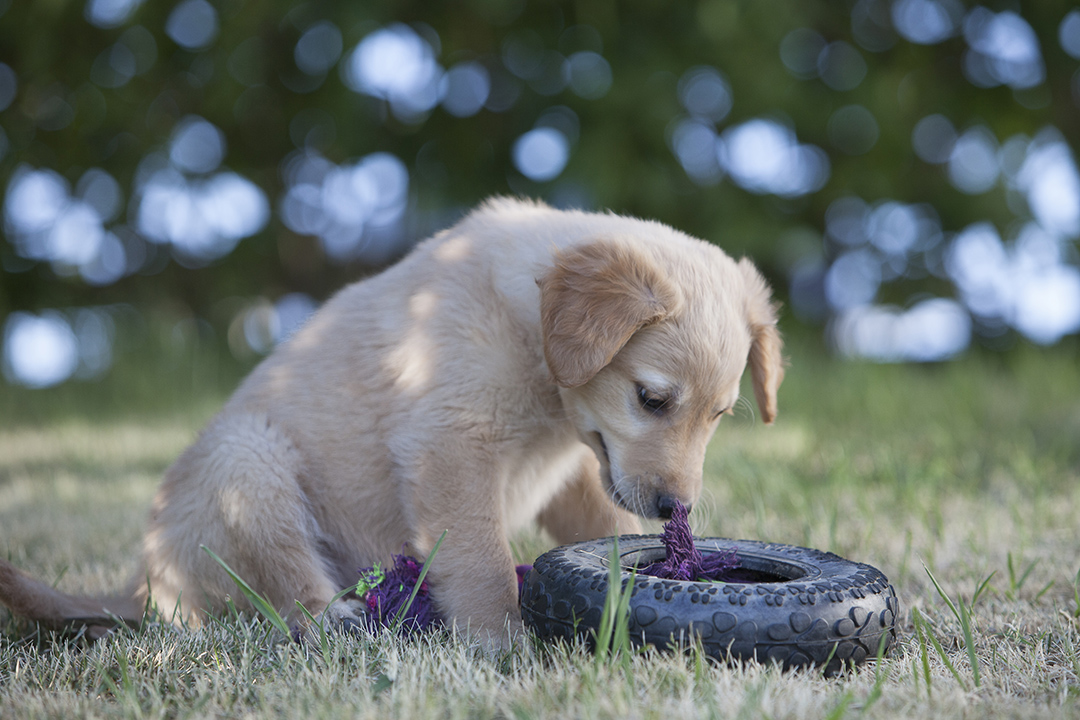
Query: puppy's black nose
x,y
665,505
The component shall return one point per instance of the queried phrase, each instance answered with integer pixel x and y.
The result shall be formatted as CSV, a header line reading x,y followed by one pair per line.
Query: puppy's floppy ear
x,y
766,361
593,299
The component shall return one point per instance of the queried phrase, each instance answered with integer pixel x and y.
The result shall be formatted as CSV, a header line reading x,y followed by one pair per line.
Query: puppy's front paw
x,y
498,636
344,615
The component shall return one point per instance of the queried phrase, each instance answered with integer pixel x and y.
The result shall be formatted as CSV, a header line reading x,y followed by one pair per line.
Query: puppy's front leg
x,y
472,575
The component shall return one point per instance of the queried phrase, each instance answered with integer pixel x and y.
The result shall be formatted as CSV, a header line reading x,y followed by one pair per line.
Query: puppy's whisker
x,y
704,511
744,402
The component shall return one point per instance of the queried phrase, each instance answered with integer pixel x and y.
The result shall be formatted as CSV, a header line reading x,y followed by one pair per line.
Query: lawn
x,y
968,470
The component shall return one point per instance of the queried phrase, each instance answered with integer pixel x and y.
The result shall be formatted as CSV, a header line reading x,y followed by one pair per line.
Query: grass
x,y
960,481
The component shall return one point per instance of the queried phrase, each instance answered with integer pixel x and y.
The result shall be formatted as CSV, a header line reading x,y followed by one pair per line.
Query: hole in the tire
x,y
751,569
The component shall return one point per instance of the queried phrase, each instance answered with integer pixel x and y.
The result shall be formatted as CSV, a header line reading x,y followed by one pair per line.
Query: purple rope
x,y
684,561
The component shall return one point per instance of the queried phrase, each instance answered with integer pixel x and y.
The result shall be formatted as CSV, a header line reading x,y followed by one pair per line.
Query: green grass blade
x,y
1027,572
622,647
612,637
261,604
969,642
982,586
963,615
941,592
622,614
1076,595
607,616
830,656
59,576
1046,589
945,658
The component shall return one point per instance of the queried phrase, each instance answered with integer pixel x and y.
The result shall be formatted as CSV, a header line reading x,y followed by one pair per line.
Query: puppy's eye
x,y
651,401
729,410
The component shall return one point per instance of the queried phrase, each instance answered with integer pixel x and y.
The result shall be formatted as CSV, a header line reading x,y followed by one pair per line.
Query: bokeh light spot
x,y
75,236
1048,304
694,143
541,154
763,156
396,64
893,227
845,220
192,24
202,219
197,146
34,200
110,13
590,75
523,53
932,330
978,264
1069,34
465,89
1051,183
102,192
800,50
933,138
927,22
39,350
9,85
110,263
1004,50
853,279
705,93
973,163
1027,285
318,48
841,66
354,209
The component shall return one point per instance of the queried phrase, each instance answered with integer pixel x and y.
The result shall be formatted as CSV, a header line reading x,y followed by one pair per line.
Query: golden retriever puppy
x,y
526,364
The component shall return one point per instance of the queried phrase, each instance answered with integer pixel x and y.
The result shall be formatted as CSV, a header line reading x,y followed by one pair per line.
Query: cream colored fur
x,y
507,370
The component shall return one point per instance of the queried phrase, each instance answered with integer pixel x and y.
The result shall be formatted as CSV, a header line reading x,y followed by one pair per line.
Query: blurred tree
x,y
871,155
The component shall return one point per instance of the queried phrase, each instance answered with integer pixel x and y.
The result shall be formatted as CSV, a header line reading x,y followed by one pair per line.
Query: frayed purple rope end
x,y
684,561
387,593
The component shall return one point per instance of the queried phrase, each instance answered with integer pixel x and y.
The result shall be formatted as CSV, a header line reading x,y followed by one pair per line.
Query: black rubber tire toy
x,y
795,606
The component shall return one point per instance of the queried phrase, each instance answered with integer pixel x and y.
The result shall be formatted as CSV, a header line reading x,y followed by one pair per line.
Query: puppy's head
x,y
647,345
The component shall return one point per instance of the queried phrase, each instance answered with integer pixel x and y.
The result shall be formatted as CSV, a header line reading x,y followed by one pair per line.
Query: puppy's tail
x,y
55,610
